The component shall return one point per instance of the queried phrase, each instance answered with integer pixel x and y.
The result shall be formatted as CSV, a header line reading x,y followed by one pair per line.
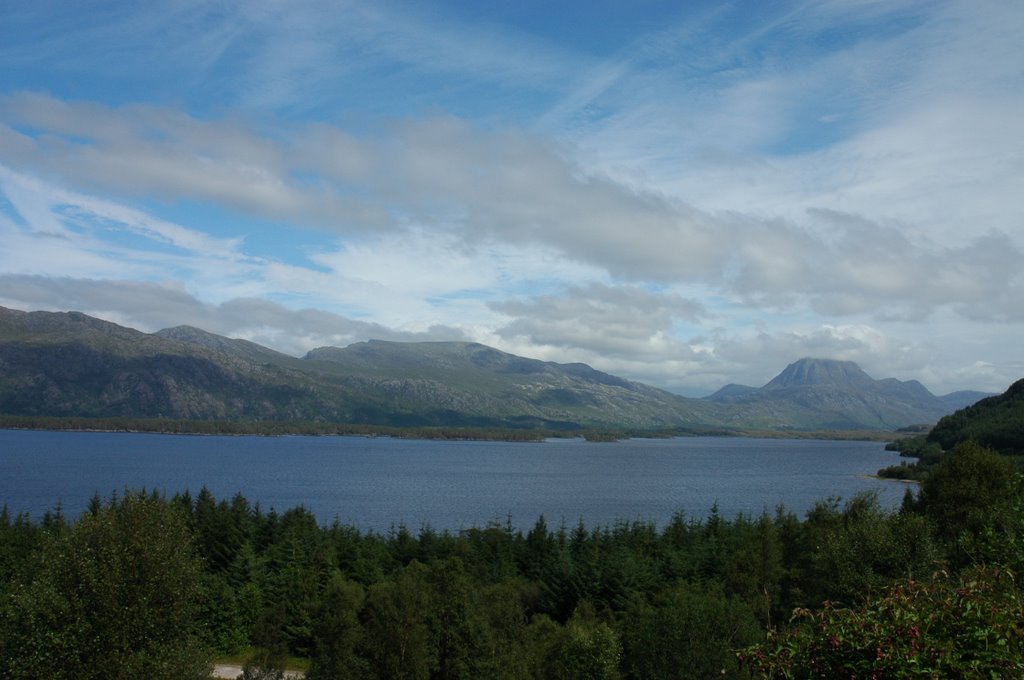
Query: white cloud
x,y
64,232
412,263
477,187
610,321
701,203
150,306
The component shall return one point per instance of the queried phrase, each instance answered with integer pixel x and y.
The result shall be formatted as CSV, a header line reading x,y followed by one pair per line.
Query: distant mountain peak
x,y
196,336
184,332
811,371
238,348
732,392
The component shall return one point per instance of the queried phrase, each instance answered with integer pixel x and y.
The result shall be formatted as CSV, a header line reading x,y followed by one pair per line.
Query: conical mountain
x,y
815,393
807,372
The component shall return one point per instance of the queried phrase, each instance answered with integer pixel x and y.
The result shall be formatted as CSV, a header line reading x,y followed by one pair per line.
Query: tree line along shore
x,y
143,585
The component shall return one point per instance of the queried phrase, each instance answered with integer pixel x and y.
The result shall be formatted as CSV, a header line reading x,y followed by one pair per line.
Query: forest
x,y
142,585
279,428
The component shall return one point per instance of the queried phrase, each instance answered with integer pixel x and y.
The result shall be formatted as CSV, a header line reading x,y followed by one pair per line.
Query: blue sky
x,y
686,194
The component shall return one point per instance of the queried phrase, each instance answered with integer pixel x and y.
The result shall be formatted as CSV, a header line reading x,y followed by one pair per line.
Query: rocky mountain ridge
x,y
832,394
71,364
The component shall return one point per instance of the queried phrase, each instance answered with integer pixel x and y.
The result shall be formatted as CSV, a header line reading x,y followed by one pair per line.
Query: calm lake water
x,y
377,483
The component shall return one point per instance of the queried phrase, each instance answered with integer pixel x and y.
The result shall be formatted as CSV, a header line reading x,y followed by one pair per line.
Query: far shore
x,y
425,432
891,479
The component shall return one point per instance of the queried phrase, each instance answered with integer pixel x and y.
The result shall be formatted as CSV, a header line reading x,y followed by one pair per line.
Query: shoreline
x,y
891,479
423,432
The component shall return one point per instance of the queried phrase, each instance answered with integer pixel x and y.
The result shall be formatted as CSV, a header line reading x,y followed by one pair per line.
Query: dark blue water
x,y
376,483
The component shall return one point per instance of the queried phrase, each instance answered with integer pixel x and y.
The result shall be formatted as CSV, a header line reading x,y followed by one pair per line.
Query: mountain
x,y
238,349
828,394
470,378
815,372
63,364
963,398
71,364
731,392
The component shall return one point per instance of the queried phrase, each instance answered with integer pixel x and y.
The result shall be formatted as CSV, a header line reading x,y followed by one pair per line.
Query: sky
x,y
687,194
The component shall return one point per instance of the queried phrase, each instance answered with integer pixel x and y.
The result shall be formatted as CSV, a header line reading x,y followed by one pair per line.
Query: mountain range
x,y
71,364
829,394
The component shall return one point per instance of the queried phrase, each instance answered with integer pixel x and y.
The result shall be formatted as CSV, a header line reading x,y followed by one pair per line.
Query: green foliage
x,y
1001,541
397,628
862,549
268,661
338,633
968,490
927,454
114,596
995,422
967,627
910,472
585,649
687,632
755,571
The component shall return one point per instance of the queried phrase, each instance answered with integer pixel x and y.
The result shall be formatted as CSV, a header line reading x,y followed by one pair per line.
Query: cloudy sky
x,y
682,193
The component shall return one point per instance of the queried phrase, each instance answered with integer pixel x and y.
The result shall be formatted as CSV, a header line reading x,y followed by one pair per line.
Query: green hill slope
x,y
470,378
996,422
70,364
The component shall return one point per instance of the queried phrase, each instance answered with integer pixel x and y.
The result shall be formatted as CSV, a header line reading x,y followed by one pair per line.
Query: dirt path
x,y
229,672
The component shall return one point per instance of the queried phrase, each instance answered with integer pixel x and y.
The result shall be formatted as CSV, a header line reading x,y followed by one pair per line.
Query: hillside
x,y
71,364
470,378
996,422
64,364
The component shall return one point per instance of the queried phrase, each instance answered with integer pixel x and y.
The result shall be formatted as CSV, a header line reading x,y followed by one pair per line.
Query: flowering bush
x,y
968,627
